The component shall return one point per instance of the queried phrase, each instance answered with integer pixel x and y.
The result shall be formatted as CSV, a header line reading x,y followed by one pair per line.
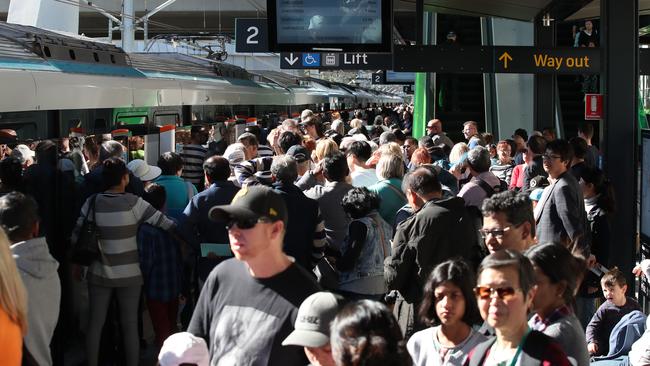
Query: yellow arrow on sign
x,y
505,58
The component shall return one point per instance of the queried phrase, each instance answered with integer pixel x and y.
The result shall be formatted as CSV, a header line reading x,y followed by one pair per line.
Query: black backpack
x,y
490,190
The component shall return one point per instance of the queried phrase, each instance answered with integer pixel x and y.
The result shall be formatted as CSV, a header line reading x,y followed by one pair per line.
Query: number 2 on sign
x,y
254,33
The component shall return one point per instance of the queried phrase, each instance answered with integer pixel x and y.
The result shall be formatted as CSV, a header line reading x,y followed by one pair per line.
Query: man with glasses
x,y
508,222
249,304
560,213
434,129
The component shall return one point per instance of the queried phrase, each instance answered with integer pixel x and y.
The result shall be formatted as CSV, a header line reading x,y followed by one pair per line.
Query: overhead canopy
x,y
510,9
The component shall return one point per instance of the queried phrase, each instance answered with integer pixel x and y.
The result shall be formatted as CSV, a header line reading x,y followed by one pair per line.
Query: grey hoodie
x,y
38,271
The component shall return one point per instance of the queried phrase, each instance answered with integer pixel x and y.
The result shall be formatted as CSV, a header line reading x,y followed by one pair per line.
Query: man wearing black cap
x,y
249,304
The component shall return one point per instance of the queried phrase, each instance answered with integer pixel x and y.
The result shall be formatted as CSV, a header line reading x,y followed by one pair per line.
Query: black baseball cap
x,y
252,203
299,153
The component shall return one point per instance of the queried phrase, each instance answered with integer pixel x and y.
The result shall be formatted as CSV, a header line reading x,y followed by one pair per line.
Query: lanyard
x,y
523,339
513,362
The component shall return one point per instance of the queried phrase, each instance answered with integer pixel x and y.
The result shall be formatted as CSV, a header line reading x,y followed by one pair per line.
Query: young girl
x,y
449,307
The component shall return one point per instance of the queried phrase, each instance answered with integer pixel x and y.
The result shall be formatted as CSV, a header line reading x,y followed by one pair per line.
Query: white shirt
x,y
363,177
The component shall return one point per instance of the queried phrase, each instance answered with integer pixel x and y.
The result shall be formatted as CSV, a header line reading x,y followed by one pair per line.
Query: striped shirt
x,y
118,216
503,171
193,158
264,151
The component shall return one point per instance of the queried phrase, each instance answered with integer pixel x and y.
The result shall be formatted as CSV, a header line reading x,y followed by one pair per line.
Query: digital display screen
x,y
393,77
301,25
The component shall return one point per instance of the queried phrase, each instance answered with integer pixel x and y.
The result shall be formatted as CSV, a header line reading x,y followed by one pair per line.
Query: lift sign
x,y
530,60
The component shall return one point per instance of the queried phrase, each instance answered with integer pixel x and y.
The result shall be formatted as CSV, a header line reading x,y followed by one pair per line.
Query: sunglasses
x,y
503,293
245,224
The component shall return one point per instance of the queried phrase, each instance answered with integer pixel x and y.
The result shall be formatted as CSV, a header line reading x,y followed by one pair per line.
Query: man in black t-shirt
x,y
248,305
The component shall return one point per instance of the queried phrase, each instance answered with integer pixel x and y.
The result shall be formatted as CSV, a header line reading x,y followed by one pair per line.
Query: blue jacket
x,y
197,228
627,331
374,251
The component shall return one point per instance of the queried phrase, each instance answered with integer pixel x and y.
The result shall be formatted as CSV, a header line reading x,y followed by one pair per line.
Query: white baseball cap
x,y
184,347
144,171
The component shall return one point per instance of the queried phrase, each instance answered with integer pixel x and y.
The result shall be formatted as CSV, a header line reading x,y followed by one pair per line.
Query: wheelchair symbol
x,y
311,59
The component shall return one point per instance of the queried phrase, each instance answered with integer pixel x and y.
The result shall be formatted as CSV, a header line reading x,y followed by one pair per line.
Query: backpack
x,y
490,190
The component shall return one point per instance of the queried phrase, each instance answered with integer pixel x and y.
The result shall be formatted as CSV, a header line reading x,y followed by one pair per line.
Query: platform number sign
x,y
378,77
251,35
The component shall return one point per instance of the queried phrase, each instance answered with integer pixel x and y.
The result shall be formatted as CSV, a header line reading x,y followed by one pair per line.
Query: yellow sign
x,y
505,57
543,60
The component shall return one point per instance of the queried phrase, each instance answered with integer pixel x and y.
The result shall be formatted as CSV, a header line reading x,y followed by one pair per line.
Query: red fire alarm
x,y
593,106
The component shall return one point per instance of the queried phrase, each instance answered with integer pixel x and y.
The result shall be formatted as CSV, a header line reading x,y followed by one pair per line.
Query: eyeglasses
x,y
503,293
497,233
245,224
550,157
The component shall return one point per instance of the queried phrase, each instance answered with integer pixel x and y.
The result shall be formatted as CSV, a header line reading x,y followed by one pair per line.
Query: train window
x,y
112,59
47,52
72,55
166,119
100,124
96,56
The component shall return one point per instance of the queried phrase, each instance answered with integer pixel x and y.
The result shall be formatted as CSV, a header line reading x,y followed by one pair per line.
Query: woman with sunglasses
x,y
505,291
449,308
556,273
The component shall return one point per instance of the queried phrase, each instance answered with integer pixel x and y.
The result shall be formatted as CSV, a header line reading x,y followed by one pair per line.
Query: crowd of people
x,y
329,239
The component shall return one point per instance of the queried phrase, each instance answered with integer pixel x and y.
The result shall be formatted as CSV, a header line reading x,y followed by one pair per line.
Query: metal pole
x,y
145,24
110,29
146,29
128,28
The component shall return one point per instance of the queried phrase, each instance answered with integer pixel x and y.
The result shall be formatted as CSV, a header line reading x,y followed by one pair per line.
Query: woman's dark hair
x,y
156,195
459,273
114,170
359,202
603,187
46,153
366,333
558,264
170,163
288,139
11,172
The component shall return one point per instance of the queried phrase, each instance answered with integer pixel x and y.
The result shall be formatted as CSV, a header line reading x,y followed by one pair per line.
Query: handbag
x,y
86,248
326,274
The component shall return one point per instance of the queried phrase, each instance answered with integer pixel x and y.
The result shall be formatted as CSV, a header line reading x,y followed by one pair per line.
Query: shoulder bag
x,y
86,249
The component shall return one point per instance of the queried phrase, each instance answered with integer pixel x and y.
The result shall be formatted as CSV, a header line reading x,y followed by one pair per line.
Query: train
x,y
52,82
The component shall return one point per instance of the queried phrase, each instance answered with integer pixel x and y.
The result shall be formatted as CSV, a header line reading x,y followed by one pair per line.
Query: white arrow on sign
x,y
291,59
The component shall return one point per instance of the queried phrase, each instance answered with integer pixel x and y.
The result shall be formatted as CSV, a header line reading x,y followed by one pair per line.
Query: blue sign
x,y
311,59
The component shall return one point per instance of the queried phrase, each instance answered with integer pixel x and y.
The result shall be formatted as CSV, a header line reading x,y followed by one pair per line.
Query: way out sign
x,y
593,106
574,60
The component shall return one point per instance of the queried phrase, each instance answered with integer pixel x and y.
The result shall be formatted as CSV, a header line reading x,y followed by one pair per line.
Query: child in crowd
x,y
609,313
160,262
